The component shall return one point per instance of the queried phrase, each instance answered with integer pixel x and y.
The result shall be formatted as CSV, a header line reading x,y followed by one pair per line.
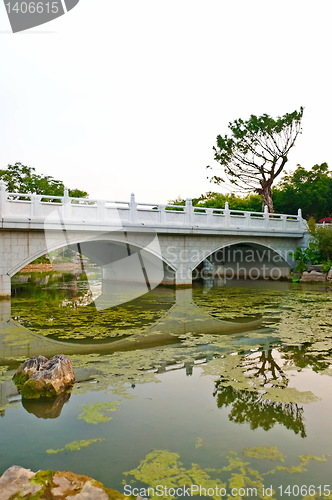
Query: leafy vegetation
x,y
22,179
310,190
319,250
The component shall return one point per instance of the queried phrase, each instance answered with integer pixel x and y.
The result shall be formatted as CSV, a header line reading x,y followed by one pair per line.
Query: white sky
x,y
128,96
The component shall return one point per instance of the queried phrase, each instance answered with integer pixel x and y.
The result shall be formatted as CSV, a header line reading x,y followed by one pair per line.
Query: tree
x,y
321,237
250,202
22,179
257,151
310,190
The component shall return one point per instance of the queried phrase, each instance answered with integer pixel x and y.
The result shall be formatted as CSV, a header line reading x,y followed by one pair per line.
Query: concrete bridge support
x,y
5,285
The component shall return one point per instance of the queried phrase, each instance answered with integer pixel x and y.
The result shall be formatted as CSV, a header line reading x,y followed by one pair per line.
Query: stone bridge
x,y
140,245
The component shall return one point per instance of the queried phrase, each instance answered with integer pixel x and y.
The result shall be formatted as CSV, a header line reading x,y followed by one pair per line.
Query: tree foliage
x,y
321,237
251,202
256,152
22,179
310,190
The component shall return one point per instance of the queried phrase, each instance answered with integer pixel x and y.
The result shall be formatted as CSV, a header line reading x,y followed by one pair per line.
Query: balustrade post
x,y
67,208
209,215
266,216
3,199
248,218
189,212
227,214
303,223
35,205
162,214
101,210
133,213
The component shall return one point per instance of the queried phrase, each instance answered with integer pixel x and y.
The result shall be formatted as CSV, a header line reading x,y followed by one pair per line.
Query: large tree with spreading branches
x,y
256,152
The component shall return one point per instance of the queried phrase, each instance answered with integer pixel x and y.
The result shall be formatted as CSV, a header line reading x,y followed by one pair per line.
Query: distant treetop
x,y
22,179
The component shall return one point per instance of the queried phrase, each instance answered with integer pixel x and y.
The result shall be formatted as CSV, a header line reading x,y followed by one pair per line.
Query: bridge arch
x,y
96,249
244,259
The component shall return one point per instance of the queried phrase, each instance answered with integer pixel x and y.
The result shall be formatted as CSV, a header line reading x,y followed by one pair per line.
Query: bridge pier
x,y
183,276
5,285
5,312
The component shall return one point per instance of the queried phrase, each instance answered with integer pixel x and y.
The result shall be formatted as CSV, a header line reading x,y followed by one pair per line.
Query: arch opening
x,y
126,271
243,261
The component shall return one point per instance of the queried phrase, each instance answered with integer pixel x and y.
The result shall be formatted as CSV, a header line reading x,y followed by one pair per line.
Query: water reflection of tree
x,y
263,366
304,355
249,405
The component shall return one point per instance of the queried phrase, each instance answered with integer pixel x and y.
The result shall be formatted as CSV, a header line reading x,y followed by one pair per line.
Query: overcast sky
x,y
128,96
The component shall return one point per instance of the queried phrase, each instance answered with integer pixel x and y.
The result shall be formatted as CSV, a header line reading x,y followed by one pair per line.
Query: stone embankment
x,y
315,273
17,483
45,267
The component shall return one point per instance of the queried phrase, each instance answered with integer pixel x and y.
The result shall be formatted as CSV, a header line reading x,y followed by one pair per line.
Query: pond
x,y
223,386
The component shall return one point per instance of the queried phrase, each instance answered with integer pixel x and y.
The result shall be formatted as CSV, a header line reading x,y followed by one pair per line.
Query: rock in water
x,y
17,483
39,377
32,366
46,408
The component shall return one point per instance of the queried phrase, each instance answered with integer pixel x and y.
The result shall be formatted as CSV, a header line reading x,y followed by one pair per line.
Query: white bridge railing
x,y
20,207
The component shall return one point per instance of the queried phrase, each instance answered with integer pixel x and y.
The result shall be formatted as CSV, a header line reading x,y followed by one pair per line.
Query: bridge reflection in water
x,y
184,318
17,341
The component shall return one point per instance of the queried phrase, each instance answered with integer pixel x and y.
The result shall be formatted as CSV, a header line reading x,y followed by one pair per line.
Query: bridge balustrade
x,y
37,208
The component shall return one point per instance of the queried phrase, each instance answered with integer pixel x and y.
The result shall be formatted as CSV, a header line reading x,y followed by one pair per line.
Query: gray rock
x,y
89,492
58,372
16,480
16,483
315,267
313,276
52,378
32,366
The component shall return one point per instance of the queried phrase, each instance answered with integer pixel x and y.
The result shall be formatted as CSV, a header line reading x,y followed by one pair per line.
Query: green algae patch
x,y
301,467
198,442
289,395
95,413
54,312
75,445
264,453
54,452
163,467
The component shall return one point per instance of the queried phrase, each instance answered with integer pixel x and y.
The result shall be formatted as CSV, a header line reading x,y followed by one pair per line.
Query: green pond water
x,y
223,386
